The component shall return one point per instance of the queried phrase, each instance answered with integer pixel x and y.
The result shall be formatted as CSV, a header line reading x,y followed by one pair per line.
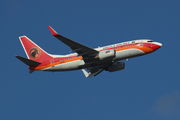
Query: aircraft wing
x,y
82,50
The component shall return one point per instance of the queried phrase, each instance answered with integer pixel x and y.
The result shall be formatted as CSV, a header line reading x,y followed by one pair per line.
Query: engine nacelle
x,y
106,54
116,66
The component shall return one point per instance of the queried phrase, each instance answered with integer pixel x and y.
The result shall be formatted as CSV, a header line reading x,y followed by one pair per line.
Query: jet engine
x,y
116,66
106,54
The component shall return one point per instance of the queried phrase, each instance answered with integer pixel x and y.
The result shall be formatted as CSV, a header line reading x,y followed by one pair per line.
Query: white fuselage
x,y
123,50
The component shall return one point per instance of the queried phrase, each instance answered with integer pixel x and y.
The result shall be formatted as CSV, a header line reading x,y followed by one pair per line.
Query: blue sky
x,y
148,88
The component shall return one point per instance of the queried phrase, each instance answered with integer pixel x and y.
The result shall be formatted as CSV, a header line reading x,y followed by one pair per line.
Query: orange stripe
x,y
143,48
56,63
146,49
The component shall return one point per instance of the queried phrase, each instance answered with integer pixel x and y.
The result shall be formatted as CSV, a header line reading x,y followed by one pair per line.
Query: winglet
x,y
54,33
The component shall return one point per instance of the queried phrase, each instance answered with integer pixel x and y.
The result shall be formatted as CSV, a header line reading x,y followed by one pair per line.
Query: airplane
x,y
90,61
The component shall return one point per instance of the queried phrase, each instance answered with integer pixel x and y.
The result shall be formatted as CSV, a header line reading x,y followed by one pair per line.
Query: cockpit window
x,y
150,41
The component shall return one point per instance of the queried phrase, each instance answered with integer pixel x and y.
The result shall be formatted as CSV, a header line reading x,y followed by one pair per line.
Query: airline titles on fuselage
x,y
119,44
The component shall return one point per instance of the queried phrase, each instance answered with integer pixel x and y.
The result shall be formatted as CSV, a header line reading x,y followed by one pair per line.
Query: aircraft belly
x,y
129,53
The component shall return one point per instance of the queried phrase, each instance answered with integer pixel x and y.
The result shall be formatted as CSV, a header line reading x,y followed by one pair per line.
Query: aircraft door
x,y
52,63
151,44
141,43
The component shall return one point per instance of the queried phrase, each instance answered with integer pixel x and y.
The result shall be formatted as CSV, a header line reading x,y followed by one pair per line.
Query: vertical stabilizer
x,y
33,51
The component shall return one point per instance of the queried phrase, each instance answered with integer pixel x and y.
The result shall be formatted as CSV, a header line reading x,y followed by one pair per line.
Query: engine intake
x,y
116,66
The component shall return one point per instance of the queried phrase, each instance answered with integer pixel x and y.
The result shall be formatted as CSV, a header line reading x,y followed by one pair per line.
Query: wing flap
x,y
92,73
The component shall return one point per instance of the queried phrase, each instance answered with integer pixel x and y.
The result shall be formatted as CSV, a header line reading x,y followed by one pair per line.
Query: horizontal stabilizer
x,y
28,61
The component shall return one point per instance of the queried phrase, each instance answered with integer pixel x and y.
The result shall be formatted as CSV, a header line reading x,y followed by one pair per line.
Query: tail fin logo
x,y
34,53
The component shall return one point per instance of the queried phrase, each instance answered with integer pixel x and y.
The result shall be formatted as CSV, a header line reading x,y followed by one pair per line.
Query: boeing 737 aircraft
x,y
93,60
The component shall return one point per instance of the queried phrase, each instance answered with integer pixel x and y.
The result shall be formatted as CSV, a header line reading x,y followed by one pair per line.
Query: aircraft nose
x,y
156,45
